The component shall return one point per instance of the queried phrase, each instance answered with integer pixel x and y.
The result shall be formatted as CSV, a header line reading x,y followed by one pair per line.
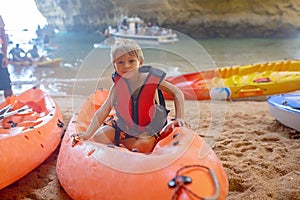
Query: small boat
x,y
106,44
24,63
101,46
49,48
181,165
30,130
48,63
134,28
41,63
237,82
286,109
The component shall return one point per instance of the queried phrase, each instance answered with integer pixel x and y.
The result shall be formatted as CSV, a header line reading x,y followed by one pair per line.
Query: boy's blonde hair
x,y
126,46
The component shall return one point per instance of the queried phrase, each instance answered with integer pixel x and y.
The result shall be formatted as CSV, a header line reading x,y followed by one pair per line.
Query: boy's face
x,y
127,65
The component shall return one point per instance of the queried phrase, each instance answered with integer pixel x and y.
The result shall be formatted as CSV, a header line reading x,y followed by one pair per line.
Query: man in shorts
x,y
5,82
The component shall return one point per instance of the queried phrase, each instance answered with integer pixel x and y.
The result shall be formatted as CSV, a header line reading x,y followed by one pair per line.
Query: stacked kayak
x,y
261,79
30,130
181,165
286,109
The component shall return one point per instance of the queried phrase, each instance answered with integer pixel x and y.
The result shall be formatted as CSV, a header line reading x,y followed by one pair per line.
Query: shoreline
x,y
260,156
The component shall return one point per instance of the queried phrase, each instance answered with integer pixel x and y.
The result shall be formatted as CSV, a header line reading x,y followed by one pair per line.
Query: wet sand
x,y
260,156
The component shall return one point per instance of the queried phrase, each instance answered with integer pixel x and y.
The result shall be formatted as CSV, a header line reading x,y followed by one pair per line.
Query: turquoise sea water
x,y
85,68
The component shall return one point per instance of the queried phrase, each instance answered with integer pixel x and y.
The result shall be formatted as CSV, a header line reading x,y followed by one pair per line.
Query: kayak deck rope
x,y
179,182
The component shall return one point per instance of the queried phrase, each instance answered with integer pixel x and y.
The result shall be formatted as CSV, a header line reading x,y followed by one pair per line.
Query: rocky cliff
x,y
196,18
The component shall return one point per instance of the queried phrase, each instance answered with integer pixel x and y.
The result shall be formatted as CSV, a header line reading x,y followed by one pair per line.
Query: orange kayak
x,y
181,165
30,130
234,82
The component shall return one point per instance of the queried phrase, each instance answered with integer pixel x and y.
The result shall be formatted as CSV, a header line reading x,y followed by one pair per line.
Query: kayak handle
x,y
179,179
14,112
216,184
246,92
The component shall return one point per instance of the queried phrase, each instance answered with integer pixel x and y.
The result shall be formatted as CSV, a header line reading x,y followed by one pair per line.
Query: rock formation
x,y
196,18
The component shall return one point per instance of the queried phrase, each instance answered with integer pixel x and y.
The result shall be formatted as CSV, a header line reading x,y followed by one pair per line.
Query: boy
x,y
139,119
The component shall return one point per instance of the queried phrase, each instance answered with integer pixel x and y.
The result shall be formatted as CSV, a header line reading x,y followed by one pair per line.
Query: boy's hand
x,y
180,122
175,123
78,138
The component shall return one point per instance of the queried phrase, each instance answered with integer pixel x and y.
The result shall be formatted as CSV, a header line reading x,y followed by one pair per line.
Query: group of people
x,y
134,95
19,55
140,27
44,34
16,52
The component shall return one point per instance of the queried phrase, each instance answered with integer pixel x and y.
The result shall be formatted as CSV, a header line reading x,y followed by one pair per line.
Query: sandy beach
x,y
261,157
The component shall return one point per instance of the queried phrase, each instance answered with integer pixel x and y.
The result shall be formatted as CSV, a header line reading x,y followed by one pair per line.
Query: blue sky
x,y
21,14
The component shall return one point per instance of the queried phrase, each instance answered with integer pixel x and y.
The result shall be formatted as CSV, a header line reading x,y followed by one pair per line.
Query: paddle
x,y
18,111
5,109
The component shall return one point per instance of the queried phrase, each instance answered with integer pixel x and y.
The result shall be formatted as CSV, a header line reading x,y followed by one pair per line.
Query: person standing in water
x,y
5,82
16,54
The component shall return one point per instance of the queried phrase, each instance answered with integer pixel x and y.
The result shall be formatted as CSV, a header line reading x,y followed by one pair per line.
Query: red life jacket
x,y
136,114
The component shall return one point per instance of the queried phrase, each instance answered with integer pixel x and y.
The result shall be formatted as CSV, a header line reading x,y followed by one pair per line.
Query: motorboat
x,y
136,28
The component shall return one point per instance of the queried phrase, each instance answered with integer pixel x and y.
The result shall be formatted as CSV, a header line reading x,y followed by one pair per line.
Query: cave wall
x,y
196,18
